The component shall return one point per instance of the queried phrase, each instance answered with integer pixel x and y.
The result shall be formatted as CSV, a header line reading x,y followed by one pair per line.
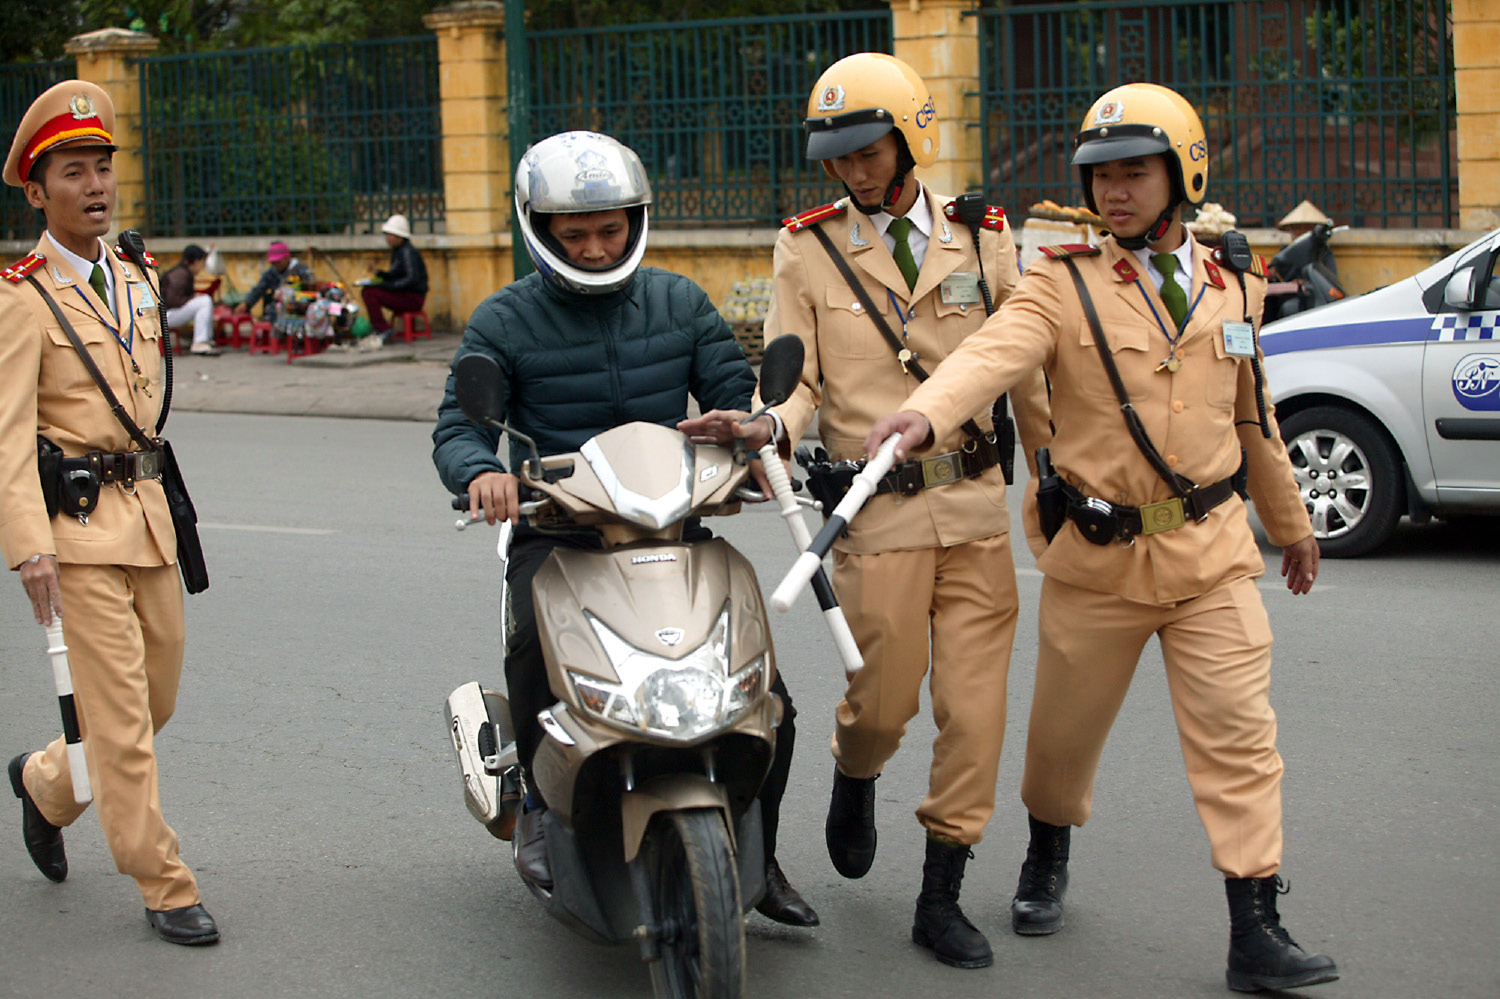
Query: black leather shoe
x,y
782,902
850,831
191,925
44,841
1262,954
1037,909
529,846
940,925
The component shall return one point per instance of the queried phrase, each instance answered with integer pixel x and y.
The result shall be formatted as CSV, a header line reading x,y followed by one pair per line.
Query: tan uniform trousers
x,y
965,598
124,630
1217,649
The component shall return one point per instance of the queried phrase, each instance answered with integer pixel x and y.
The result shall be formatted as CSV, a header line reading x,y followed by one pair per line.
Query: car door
x,y
1461,380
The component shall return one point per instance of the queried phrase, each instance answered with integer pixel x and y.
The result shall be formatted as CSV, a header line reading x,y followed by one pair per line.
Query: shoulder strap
x,y
906,357
146,443
1180,484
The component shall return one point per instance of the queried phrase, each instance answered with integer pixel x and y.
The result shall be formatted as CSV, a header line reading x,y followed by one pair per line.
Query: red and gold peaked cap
x,y
72,113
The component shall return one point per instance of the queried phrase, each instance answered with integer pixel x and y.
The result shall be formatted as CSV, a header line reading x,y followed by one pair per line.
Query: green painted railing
x,y
19,86
325,139
1347,103
714,108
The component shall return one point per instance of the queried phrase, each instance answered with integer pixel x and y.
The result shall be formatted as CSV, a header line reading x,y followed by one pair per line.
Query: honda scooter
x,y
1302,274
659,653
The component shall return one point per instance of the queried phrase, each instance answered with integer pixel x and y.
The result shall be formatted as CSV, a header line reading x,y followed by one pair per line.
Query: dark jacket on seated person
x,y
177,286
407,271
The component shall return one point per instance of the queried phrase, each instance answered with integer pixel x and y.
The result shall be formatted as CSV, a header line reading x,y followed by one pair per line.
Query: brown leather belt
x,y
118,466
969,462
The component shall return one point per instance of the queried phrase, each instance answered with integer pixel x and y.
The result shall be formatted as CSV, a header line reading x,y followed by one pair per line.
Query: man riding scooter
x,y
590,342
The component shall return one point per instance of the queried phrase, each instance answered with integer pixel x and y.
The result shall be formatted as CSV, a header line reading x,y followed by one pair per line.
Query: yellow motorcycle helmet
x,y
1142,119
863,97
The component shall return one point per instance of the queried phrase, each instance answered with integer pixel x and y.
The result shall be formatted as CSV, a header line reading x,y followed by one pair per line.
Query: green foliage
x,y
1370,49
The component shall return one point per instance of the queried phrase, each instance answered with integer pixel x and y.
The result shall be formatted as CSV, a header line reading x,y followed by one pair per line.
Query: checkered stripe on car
x,y
1474,326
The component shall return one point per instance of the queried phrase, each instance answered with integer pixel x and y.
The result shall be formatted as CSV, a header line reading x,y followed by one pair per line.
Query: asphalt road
x,y
309,777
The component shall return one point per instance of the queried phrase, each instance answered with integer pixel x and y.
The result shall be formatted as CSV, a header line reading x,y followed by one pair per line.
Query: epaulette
x,y
994,216
1065,250
813,216
17,271
120,252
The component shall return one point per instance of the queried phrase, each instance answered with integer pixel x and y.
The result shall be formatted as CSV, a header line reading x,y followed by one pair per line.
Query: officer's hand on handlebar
x,y
495,496
915,431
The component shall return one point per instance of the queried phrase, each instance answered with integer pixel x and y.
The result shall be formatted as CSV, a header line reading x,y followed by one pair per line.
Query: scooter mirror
x,y
781,369
480,388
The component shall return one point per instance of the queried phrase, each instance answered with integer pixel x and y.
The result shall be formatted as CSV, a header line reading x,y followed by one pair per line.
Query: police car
x,y
1390,403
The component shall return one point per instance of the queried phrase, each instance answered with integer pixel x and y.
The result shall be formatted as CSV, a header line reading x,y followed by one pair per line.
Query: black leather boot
x,y
850,831
1262,955
940,924
1037,909
782,902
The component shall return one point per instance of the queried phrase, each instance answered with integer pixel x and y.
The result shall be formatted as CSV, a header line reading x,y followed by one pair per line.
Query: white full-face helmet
x,y
581,172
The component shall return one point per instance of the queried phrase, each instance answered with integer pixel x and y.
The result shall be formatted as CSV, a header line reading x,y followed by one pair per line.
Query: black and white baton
x,y
860,490
791,512
82,791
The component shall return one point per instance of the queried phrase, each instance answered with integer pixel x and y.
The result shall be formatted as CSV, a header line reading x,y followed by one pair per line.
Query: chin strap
x,y
904,166
1158,230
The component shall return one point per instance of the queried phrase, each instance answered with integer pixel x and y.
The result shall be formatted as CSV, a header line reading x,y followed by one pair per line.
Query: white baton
x,y
82,791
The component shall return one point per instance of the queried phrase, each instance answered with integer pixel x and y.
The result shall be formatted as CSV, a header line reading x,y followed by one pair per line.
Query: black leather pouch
x,y
49,468
184,522
78,488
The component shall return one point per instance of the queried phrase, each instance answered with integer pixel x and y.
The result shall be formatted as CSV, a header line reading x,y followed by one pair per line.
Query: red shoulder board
x,y
120,252
17,271
1214,277
994,218
1126,271
1257,265
1065,250
812,217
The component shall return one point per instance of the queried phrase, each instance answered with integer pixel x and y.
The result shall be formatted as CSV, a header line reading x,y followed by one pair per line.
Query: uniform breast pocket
x,y
1131,350
61,365
1223,382
845,329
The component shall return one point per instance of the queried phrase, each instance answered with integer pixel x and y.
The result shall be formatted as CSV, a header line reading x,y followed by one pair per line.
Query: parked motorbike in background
x,y
1303,275
659,652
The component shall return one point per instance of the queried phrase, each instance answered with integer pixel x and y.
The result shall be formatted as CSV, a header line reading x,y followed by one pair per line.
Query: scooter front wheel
x,y
695,890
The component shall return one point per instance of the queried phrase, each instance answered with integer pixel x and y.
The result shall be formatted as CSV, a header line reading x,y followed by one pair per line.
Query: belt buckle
x,y
1163,516
941,470
147,464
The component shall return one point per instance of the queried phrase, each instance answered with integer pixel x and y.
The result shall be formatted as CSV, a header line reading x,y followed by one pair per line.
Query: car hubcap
x,y
1334,477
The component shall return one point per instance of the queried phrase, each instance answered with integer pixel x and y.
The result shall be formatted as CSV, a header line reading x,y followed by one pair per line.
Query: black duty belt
x,y
969,462
1102,522
120,466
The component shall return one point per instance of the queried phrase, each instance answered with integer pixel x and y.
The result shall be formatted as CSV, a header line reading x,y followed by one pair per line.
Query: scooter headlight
x,y
676,698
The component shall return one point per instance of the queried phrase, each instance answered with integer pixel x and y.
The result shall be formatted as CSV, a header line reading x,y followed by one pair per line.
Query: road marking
x,y
265,530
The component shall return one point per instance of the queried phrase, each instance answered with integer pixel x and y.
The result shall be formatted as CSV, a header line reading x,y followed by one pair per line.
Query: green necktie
x,y
96,281
899,230
1172,294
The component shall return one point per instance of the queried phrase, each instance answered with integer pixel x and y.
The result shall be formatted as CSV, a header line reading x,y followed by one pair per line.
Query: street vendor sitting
x,y
283,269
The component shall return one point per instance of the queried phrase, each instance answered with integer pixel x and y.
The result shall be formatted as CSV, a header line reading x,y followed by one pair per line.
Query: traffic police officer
x,y
925,569
1138,556
113,569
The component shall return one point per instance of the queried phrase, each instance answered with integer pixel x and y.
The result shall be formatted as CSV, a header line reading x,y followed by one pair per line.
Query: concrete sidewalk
x,y
400,382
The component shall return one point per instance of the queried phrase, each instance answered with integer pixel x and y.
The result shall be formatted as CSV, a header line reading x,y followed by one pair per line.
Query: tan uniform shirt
x,y
46,390
1198,417
851,376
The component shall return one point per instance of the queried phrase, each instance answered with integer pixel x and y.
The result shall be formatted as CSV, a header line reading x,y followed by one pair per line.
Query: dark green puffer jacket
x,y
578,365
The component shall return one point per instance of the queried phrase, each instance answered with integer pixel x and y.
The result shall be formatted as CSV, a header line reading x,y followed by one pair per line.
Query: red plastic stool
x,y
409,330
263,338
304,346
233,328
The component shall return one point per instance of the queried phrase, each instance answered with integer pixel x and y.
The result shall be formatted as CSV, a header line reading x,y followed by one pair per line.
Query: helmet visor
x,y
1119,142
828,138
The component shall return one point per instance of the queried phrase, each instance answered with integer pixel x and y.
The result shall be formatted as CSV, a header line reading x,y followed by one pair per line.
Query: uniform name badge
x,y
143,295
1239,338
960,289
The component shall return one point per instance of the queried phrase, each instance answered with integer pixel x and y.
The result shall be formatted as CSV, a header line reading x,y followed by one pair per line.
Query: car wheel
x,y
1349,475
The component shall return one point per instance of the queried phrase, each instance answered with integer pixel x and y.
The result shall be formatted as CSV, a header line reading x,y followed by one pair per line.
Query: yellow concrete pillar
x,y
1476,58
936,40
476,147
107,58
